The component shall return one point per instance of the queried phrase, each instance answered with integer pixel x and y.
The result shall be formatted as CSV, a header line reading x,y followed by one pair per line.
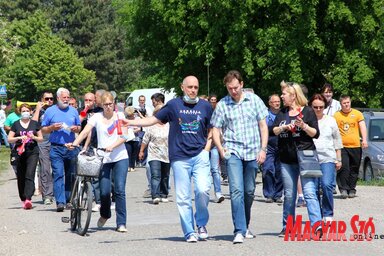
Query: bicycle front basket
x,y
89,165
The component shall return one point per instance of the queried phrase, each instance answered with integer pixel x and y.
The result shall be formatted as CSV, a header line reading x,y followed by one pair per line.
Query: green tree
x,y
49,63
89,27
308,42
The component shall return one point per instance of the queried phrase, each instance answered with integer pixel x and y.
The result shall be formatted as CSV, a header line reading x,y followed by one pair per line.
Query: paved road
x,y
155,229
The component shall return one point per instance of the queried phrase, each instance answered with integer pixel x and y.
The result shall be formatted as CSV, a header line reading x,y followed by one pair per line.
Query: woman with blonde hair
x,y
296,125
115,163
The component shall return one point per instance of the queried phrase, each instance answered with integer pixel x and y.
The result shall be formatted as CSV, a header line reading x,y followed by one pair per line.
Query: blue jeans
x,y
119,171
198,169
63,163
159,178
5,137
327,185
241,177
272,181
290,174
215,163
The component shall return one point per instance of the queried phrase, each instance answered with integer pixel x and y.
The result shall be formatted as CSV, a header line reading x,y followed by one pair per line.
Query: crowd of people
x,y
213,141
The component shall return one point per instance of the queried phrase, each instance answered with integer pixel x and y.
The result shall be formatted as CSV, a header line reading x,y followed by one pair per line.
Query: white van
x,y
133,98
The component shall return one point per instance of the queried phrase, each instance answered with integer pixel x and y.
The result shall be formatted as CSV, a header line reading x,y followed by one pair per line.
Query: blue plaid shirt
x,y
240,124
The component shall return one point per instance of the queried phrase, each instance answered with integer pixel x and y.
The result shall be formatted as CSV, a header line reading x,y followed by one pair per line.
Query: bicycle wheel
x,y
84,211
74,195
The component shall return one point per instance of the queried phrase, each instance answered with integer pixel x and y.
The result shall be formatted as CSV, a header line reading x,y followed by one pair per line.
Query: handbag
x,y
89,164
309,163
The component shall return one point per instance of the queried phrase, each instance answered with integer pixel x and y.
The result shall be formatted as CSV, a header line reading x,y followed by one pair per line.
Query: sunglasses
x,y
48,98
318,107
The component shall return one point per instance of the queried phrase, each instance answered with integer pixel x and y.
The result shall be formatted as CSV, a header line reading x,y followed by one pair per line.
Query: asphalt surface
x,y
155,229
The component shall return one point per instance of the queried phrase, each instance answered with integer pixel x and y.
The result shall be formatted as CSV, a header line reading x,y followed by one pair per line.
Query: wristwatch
x,y
264,149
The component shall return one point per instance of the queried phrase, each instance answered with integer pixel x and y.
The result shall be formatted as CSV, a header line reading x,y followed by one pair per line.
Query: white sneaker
x,y
164,200
219,198
96,208
326,219
192,238
249,234
239,239
156,200
122,229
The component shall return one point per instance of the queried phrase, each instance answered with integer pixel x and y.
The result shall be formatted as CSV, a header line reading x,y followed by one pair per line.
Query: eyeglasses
x,y
48,98
108,104
317,107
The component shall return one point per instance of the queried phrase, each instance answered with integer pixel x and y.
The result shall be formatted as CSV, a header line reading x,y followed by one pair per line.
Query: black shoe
x,y
60,207
278,200
282,233
318,234
269,200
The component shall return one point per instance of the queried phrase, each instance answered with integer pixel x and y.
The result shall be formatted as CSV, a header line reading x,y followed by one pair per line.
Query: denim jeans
x,y
272,181
242,182
63,163
290,174
327,185
5,137
119,172
195,168
159,178
215,170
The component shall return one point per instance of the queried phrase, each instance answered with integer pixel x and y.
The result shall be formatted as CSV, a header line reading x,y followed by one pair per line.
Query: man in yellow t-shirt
x,y
351,124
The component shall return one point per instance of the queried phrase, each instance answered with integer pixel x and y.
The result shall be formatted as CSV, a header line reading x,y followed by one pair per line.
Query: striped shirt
x,y
239,124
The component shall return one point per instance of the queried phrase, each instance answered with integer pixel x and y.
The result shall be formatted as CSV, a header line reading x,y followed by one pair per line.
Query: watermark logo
x,y
336,230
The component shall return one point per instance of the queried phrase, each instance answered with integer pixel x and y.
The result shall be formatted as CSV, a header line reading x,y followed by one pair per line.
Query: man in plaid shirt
x,y
240,118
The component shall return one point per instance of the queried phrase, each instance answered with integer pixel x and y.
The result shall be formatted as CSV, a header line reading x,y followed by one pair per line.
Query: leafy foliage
x,y
309,42
44,61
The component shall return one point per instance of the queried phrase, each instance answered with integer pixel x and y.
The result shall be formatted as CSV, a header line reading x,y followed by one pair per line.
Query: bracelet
x,y
339,160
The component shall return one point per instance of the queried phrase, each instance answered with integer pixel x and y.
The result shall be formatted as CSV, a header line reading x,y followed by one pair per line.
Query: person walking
x,y
240,118
189,145
3,116
328,147
296,126
272,181
25,133
45,177
156,139
61,121
332,105
115,163
351,125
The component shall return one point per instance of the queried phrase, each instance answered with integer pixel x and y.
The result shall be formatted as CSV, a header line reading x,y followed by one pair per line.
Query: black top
x,y
33,127
289,141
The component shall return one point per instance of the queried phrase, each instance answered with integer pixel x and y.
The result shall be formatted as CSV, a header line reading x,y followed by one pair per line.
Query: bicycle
x,y
82,195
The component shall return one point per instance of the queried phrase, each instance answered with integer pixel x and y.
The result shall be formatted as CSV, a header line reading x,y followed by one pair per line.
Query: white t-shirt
x,y
332,108
329,140
107,135
2,117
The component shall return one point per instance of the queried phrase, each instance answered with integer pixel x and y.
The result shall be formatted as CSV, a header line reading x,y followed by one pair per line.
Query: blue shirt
x,y
69,116
239,122
272,139
188,130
